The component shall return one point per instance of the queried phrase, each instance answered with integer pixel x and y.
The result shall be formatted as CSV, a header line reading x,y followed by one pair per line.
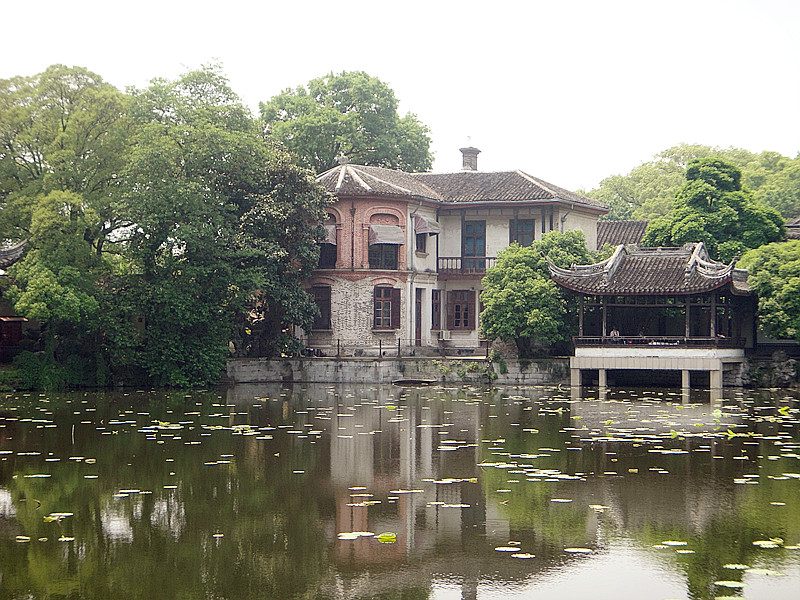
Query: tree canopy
x,y
162,226
522,303
648,190
774,275
350,114
712,207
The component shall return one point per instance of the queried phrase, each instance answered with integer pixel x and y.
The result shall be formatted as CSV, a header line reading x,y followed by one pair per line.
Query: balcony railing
x,y
465,265
666,341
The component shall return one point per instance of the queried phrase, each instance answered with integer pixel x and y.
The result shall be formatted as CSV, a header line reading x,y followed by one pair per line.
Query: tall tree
x,y
712,207
63,145
522,303
219,213
349,114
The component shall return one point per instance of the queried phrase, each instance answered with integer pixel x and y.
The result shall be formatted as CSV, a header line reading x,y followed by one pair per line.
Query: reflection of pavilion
x,y
660,309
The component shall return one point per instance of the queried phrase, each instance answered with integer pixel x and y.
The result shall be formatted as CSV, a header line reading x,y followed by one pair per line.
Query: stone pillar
x,y
685,378
601,378
575,377
716,378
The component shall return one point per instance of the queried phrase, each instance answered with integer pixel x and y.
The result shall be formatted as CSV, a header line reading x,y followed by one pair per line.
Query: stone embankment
x,y
387,370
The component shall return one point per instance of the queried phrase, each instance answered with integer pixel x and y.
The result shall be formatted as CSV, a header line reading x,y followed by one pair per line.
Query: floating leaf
x,y
730,584
765,572
387,537
578,550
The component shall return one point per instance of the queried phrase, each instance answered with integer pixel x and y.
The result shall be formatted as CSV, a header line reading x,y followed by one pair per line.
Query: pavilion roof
x,y
10,255
632,270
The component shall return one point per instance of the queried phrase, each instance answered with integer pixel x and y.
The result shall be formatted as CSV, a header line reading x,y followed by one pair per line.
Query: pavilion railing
x,y
649,340
465,265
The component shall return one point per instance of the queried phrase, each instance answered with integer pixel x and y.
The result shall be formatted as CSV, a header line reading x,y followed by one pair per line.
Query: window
x,y
386,308
422,242
383,256
436,309
461,309
521,231
322,298
473,243
327,256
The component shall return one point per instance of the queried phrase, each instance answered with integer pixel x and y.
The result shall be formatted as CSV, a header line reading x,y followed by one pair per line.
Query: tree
x,y
774,275
712,208
349,114
522,303
64,137
220,216
648,190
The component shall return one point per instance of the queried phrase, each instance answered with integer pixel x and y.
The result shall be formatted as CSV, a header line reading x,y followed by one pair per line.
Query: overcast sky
x,y
568,91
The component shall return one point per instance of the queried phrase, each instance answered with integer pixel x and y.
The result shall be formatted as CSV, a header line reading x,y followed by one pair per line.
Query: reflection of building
x,y
405,253
660,309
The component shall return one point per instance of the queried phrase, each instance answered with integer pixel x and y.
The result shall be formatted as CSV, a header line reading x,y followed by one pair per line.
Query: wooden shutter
x,y
471,316
451,311
395,321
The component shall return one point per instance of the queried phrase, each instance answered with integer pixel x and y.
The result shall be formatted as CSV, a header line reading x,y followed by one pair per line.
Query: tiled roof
x,y
501,186
8,256
449,188
358,180
653,271
793,229
615,233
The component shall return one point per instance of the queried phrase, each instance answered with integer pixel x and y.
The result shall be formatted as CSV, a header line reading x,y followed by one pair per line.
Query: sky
x,y
567,91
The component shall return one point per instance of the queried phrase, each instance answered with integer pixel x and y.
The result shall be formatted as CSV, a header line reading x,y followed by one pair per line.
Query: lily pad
x,y
736,585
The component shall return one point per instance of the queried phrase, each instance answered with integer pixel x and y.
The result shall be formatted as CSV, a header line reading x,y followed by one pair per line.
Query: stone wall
x,y
372,370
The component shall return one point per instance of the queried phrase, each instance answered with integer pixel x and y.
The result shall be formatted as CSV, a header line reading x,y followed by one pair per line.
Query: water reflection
x,y
264,491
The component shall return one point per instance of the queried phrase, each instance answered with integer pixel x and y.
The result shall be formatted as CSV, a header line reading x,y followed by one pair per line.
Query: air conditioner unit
x,y
444,334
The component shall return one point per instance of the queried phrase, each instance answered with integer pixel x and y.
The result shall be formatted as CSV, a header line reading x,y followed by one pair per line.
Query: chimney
x,y
470,158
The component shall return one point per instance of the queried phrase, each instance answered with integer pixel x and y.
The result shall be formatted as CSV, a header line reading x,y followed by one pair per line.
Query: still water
x,y
395,493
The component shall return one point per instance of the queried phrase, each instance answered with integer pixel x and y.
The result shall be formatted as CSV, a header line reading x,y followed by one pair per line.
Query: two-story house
x,y
405,252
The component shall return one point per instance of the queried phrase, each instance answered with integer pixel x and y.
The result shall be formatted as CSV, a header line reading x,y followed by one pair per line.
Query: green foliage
x,y
774,272
161,224
521,302
352,114
221,216
712,208
647,192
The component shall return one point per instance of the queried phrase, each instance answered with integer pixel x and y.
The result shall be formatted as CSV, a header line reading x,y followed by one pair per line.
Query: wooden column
x,y
713,320
580,317
604,316
688,320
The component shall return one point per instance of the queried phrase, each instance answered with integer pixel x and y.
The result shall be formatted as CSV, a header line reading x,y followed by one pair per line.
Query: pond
x,y
331,491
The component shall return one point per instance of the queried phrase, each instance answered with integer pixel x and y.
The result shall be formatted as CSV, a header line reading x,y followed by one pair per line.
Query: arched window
x,y
327,249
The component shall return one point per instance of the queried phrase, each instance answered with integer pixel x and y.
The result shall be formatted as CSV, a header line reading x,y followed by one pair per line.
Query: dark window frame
x,y
384,257
522,231
322,298
461,310
386,308
327,256
422,242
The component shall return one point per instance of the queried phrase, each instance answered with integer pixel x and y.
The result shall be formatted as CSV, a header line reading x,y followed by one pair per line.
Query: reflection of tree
x,y
528,505
161,543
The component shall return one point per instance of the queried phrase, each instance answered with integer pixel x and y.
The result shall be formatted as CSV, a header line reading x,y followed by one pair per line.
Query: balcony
x,y
465,266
